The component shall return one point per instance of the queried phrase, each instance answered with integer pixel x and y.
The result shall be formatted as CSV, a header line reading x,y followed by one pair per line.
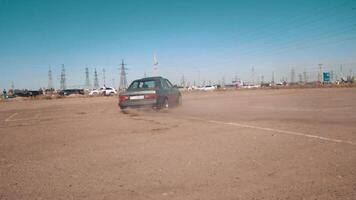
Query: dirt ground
x,y
252,144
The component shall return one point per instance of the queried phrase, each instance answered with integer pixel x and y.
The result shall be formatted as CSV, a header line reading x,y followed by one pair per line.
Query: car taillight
x,y
150,96
123,98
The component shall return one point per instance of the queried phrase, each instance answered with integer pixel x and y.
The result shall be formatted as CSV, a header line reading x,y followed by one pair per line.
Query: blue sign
x,y
326,76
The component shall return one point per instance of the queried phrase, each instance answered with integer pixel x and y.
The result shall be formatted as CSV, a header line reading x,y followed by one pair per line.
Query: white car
x,y
106,91
208,88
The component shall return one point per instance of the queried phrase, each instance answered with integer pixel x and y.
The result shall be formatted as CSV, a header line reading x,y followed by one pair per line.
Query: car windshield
x,y
144,84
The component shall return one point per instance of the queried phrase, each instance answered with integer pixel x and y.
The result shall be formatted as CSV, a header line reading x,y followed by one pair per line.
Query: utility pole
x,y
50,80
63,84
96,81
123,80
87,82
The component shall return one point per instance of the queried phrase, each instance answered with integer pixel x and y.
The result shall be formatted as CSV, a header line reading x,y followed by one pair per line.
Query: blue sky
x,y
213,39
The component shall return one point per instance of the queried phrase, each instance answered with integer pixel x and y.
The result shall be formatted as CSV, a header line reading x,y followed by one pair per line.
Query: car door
x,y
167,93
173,92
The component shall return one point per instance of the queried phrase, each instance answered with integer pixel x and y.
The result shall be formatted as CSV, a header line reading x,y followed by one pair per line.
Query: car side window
x,y
169,83
165,84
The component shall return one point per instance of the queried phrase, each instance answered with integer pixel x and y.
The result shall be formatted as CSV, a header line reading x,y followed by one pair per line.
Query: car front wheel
x,y
165,104
179,101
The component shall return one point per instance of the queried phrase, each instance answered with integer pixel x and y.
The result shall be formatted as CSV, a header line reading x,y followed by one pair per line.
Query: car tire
x,y
165,104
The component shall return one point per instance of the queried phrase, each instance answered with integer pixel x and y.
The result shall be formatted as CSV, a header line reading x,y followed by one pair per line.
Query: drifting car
x,y
154,92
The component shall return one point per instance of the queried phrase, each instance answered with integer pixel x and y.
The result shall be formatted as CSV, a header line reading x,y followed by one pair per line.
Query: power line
x,y
293,43
295,22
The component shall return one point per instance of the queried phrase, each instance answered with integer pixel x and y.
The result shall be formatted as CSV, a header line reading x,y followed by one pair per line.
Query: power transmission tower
x,y
183,81
50,80
292,76
320,73
300,78
123,80
63,85
305,78
253,76
155,65
113,82
96,81
272,77
87,81
104,77
332,76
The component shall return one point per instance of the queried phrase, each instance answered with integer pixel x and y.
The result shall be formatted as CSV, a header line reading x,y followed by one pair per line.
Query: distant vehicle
x,y
26,93
68,92
106,91
155,92
208,88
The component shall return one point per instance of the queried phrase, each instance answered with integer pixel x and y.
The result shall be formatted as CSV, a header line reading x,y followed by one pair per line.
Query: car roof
x,y
150,78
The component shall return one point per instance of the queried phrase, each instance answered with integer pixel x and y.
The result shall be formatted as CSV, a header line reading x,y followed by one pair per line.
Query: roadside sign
x,y
326,76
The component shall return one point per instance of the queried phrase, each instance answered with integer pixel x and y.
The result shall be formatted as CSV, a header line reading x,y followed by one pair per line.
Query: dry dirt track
x,y
257,144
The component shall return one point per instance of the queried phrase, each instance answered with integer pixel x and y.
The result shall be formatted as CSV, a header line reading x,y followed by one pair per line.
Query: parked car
x,y
208,88
155,92
68,92
106,91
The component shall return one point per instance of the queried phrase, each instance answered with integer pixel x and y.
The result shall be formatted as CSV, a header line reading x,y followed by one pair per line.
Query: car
x,y
208,88
94,92
155,92
67,92
106,91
